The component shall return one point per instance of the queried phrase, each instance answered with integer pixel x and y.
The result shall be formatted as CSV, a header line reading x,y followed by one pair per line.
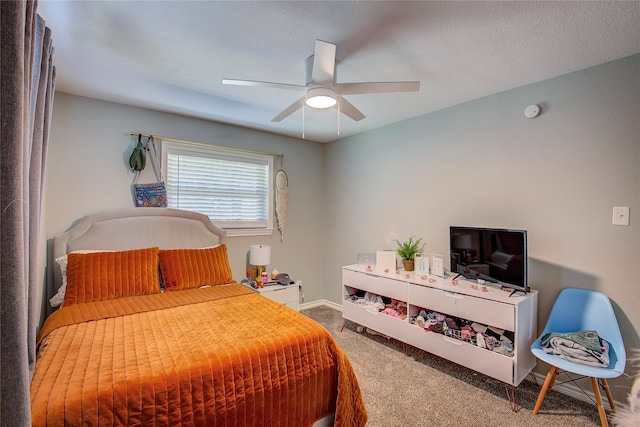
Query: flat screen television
x,y
495,255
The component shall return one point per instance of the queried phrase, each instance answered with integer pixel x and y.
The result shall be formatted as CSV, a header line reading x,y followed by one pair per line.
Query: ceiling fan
x,y
322,91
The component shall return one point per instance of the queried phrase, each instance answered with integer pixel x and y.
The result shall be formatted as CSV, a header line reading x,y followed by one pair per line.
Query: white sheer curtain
x,y
27,86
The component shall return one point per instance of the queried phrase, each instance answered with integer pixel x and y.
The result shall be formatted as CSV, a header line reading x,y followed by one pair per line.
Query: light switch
x,y
621,215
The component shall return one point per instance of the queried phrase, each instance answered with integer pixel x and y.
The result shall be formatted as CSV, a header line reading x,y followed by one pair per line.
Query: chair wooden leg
x,y
548,382
605,385
601,411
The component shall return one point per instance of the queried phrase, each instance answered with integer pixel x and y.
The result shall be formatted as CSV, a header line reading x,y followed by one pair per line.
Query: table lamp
x,y
463,241
260,256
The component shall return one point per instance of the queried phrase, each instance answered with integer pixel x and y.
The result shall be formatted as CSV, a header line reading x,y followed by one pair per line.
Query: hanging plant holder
x,y
282,198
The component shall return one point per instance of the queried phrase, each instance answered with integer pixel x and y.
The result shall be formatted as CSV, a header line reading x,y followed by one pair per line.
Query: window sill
x,y
238,232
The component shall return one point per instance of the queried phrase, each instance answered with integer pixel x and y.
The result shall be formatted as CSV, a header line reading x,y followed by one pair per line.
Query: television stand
x,y
460,298
513,290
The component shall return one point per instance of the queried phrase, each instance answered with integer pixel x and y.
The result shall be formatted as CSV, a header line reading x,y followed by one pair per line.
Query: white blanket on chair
x,y
570,350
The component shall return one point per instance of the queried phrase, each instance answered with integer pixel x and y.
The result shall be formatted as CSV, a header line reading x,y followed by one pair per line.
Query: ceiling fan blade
x,y
375,87
289,110
349,110
255,83
324,63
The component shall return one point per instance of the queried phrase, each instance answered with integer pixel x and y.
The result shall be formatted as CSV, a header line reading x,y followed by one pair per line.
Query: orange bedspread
x,y
222,356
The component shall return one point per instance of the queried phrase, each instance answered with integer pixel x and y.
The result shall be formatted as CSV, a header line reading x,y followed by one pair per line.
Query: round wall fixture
x,y
531,111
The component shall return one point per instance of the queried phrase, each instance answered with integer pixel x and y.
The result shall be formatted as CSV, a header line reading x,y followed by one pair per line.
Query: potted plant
x,y
408,250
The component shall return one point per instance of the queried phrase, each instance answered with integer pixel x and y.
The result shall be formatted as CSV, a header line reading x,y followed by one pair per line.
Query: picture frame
x,y
437,265
386,262
422,263
366,259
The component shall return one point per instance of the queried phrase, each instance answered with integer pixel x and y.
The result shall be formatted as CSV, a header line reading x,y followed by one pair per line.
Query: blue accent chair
x,y
579,310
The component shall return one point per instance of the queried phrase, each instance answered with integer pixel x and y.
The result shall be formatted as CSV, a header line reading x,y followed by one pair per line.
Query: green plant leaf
x,y
409,249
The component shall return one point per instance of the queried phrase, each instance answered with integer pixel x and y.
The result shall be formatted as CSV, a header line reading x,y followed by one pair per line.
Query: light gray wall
x,y
87,171
484,164
481,163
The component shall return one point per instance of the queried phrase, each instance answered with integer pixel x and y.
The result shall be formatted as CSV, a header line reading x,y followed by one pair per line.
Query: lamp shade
x,y
260,254
462,241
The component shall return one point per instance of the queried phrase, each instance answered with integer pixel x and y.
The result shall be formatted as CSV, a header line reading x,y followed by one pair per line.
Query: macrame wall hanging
x,y
282,198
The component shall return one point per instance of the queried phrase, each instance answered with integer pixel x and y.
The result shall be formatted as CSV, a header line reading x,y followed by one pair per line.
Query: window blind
x,y
231,189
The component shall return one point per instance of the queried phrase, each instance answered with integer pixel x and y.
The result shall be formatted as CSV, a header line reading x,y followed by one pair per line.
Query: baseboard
x,y
568,389
321,302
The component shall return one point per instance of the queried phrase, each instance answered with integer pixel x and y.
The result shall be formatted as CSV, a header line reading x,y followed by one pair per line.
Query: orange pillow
x,y
192,268
107,275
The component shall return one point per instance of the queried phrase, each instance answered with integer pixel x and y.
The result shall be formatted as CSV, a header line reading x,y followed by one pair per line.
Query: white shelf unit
x,y
466,300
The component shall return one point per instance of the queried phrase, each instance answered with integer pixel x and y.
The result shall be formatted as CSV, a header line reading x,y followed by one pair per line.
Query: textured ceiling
x,y
173,55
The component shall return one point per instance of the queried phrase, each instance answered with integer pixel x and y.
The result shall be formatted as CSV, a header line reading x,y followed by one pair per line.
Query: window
x,y
231,187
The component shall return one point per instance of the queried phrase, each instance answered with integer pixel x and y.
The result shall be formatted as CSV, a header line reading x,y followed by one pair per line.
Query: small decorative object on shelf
x,y
408,250
366,258
437,265
385,261
421,264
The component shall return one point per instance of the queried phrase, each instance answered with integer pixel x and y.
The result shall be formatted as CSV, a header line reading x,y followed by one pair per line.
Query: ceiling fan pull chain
x,y
338,119
302,120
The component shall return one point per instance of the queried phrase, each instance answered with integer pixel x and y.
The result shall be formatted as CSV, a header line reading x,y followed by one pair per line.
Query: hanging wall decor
x,y
152,195
282,198
138,158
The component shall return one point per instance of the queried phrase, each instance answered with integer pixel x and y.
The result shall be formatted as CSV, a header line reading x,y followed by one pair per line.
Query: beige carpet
x,y
400,391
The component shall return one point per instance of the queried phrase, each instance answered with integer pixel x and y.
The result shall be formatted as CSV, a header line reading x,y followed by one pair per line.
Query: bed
x,y
198,349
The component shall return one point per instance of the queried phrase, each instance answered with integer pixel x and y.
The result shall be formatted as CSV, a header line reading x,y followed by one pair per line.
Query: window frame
x,y
233,154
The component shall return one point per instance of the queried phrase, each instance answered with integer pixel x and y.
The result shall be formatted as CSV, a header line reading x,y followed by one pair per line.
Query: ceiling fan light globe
x,y
321,101
321,97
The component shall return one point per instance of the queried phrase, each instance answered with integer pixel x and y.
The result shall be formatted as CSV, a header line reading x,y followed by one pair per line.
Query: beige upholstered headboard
x,y
136,228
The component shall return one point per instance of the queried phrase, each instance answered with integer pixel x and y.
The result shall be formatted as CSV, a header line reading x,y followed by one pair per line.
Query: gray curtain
x,y
27,86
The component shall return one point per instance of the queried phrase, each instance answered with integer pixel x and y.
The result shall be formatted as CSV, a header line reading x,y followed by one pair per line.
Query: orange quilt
x,y
219,356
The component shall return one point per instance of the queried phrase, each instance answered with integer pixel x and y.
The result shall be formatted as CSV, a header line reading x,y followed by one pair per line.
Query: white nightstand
x,y
287,295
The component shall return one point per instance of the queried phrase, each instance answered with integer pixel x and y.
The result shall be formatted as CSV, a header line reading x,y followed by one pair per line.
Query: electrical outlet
x,y
621,215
